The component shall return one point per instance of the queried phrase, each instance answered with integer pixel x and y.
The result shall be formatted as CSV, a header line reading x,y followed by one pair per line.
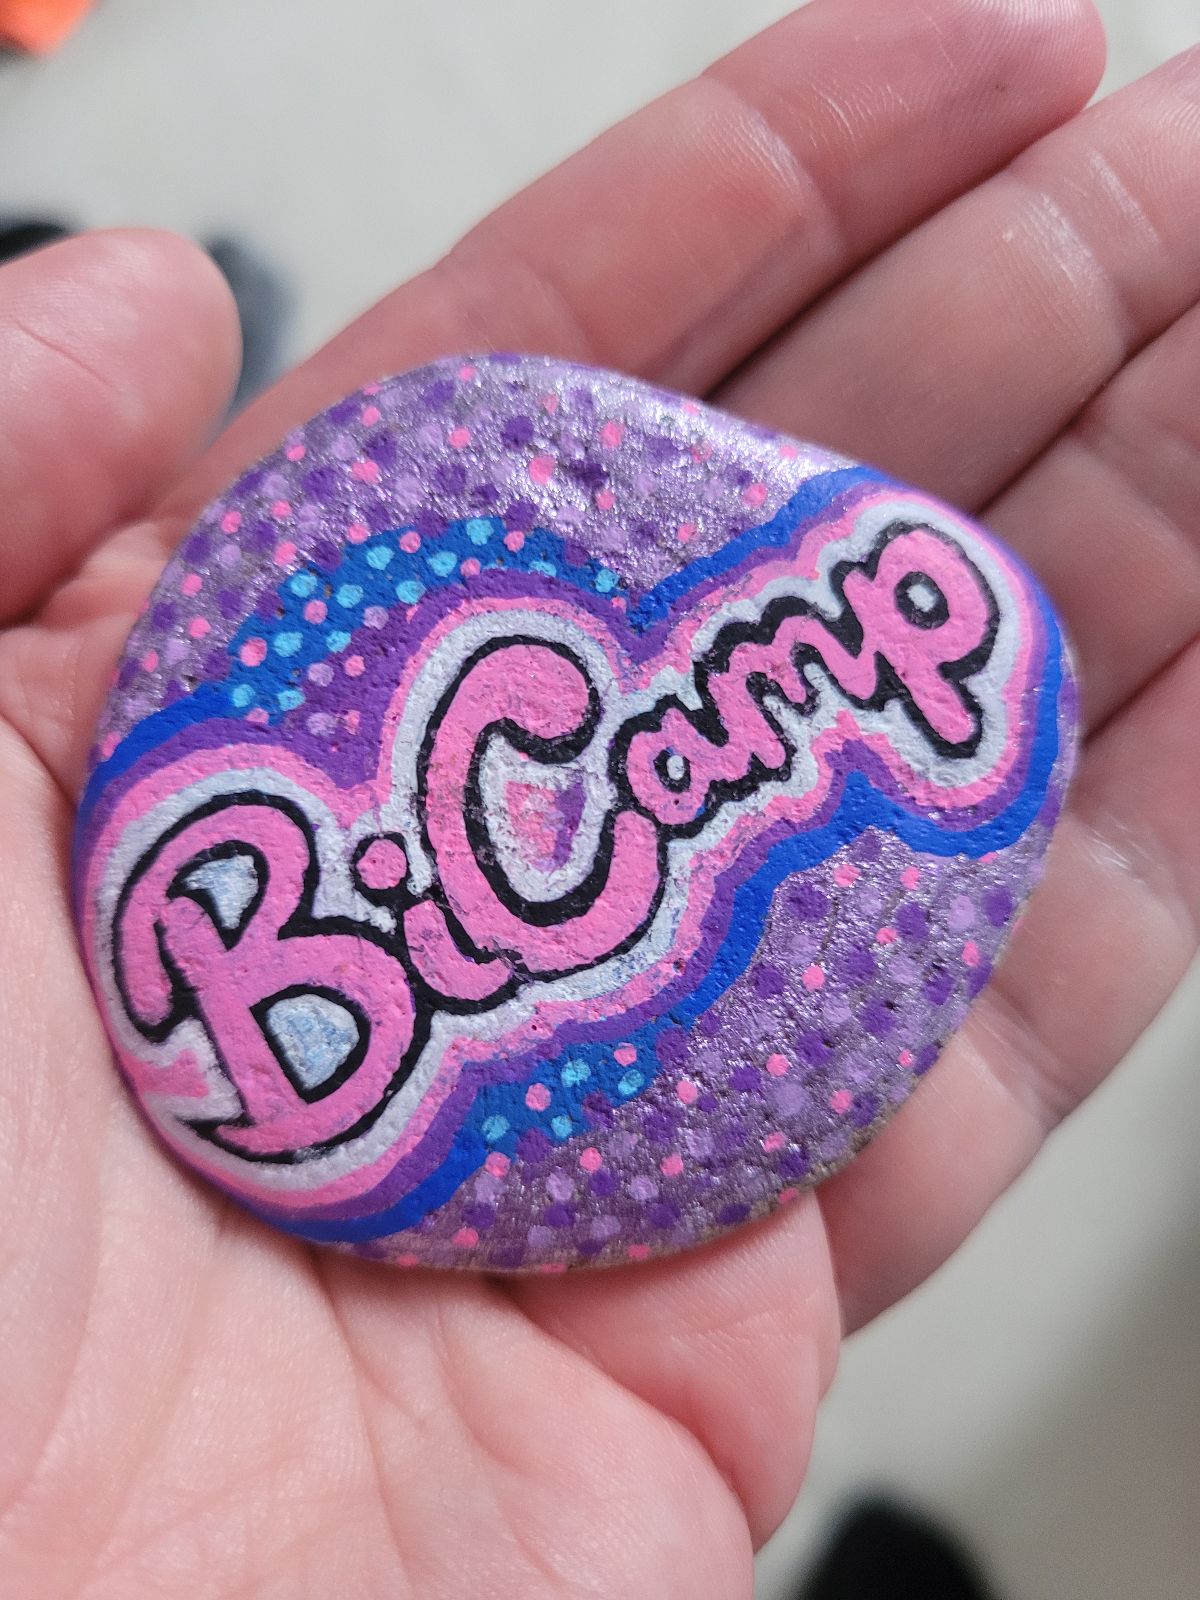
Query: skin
x,y
193,1406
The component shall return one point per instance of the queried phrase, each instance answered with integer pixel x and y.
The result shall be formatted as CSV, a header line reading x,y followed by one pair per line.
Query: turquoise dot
x,y
289,699
547,568
379,555
337,641
561,1127
575,1072
606,580
286,644
303,584
495,1128
479,530
443,562
349,595
242,695
410,591
630,1083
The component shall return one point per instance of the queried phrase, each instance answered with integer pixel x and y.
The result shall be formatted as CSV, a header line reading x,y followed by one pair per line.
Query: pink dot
x,y
886,936
671,1166
316,611
550,403
375,617
354,666
469,568
107,745
370,388
550,1269
466,1238
410,541
382,865
590,1159
605,499
541,469
352,720
687,1091
150,661
701,452
777,1065
253,653
611,435
366,471
970,953
773,1141
625,1054
788,452
754,495
285,552
466,373
638,1252
371,415
296,452
910,878
199,627
231,522
846,874
514,540
786,1196
357,532
460,438
537,1097
840,1101
281,509
405,1259
813,977
497,1164
905,1058
686,531
192,584
257,716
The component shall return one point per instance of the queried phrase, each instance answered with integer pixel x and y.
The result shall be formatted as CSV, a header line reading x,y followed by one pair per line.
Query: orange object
x,y
40,24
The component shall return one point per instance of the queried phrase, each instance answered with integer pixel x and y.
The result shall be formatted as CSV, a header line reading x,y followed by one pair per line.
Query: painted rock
x,y
539,820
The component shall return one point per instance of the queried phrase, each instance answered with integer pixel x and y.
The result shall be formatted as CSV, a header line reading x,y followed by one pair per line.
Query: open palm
x,y
886,227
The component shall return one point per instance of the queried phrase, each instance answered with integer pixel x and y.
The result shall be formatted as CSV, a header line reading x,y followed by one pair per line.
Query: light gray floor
x,y
1042,1391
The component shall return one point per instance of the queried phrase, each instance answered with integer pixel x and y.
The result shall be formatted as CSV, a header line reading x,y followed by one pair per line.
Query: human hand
x,y
193,1405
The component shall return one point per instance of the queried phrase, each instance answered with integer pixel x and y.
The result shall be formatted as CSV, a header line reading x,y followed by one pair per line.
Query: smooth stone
x,y
542,821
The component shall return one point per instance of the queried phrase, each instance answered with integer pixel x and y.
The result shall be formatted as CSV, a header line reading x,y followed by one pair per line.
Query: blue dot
x,y
337,641
286,644
443,562
379,555
575,1072
630,1083
242,695
349,595
410,591
289,699
561,1127
479,530
495,1128
547,568
303,584
606,580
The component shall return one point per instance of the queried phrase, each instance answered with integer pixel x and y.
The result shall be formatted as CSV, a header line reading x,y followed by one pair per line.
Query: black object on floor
x,y
885,1552
18,238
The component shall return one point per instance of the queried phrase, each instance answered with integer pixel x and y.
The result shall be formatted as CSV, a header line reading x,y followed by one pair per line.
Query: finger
x,y
1107,938
1108,518
737,1342
679,240
119,351
955,358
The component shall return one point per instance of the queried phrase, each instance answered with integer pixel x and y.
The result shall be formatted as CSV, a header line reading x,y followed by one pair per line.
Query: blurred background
x,y
1040,1396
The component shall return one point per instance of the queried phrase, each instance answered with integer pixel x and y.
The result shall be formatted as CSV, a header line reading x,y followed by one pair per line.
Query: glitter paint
x,y
541,821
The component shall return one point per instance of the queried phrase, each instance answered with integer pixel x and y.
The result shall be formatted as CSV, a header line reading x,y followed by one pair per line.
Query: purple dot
x,y
745,1079
480,1217
590,1247
808,904
925,1058
858,966
533,1146
768,981
939,986
877,1019
165,614
812,1049
603,1183
505,1259
438,395
321,483
998,906
730,1216
521,514
382,448
516,433
558,1216
865,1110
428,524
912,922
450,477
660,1127
663,1215
672,1047
484,494
793,1164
